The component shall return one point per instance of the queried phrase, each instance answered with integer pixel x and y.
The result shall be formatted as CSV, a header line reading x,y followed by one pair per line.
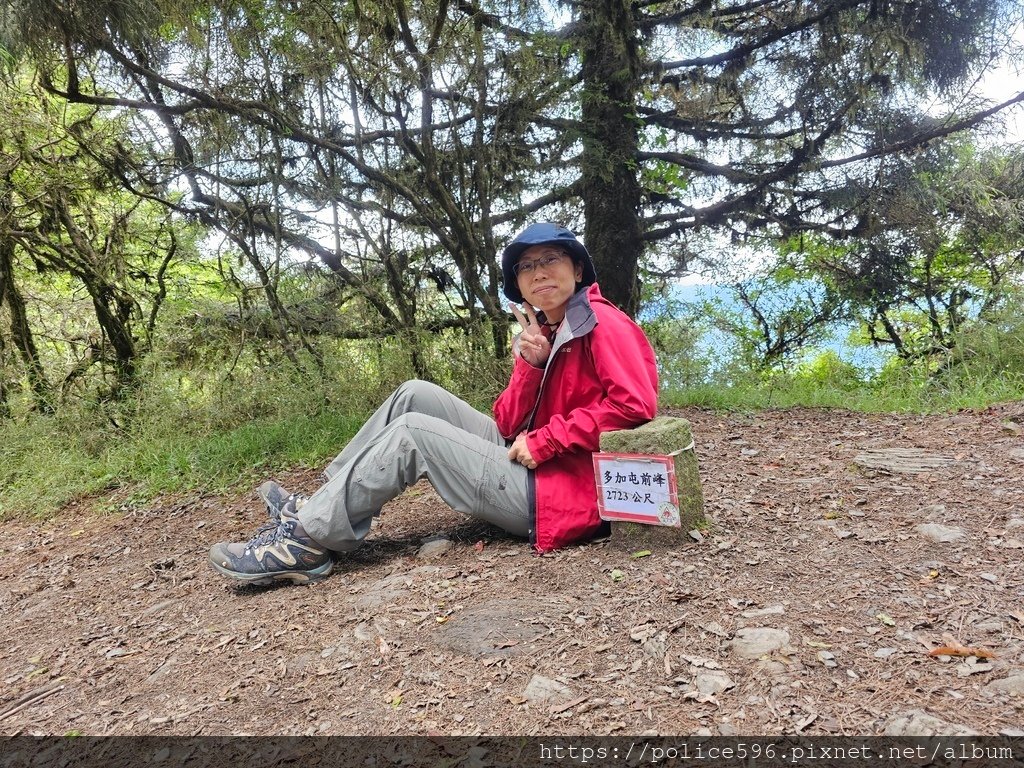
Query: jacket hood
x,y
543,233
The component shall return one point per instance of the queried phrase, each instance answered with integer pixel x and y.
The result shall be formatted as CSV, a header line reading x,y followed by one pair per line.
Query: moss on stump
x,y
664,435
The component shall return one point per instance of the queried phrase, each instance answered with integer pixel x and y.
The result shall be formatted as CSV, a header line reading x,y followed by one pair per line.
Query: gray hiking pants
x,y
420,431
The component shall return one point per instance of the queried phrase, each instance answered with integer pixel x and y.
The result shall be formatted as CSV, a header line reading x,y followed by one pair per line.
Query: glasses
x,y
544,262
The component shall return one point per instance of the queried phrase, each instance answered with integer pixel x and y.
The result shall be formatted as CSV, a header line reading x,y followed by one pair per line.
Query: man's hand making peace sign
x,y
534,346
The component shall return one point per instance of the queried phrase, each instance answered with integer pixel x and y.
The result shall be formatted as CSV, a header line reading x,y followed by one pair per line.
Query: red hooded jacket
x,y
601,376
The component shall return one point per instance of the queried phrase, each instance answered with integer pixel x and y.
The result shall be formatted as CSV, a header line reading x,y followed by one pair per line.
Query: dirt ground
x,y
115,623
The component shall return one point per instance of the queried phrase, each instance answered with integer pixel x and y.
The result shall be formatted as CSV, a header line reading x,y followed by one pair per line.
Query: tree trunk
x,y
611,189
5,405
21,332
116,324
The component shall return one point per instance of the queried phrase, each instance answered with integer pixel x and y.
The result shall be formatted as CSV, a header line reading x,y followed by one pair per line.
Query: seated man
x,y
581,367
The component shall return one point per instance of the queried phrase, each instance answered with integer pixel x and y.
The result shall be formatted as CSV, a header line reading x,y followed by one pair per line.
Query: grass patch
x,y
41,469
204,430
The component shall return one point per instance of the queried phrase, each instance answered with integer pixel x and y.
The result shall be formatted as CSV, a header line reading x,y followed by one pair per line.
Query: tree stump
x,y
663,436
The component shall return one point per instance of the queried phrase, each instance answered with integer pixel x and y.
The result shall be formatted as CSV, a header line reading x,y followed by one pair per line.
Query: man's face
x,y
547,278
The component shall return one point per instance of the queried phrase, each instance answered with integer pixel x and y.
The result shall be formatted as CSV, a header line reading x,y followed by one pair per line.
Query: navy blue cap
x,y
543,233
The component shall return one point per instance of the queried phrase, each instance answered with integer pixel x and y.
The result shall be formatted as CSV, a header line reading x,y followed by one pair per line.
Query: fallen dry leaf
x,y
567,705
956,649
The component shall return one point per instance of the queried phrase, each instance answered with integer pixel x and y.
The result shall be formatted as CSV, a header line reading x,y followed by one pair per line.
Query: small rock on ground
x,y
754,642
435,548
940,534
544,689
711,681
917,722
1007,686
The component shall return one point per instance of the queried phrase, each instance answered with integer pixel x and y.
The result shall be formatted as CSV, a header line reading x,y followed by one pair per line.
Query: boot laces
x,y
271,532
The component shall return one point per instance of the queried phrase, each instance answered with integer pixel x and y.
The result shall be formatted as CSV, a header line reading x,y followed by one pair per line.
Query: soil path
x,y
849,575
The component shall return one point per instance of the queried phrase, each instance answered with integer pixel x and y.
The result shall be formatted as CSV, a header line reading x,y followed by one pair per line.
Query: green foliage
x,y
777,313
675,330
996,343
940,244
987,356
827,370
236,434
99,258
206,423
681,362
898,392
985,365
358,133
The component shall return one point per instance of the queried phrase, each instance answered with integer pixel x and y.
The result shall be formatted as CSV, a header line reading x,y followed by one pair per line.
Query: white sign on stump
x,y
637,488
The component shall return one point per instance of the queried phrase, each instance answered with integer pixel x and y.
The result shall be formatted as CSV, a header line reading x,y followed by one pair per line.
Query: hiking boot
x,y
275,497
280,551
